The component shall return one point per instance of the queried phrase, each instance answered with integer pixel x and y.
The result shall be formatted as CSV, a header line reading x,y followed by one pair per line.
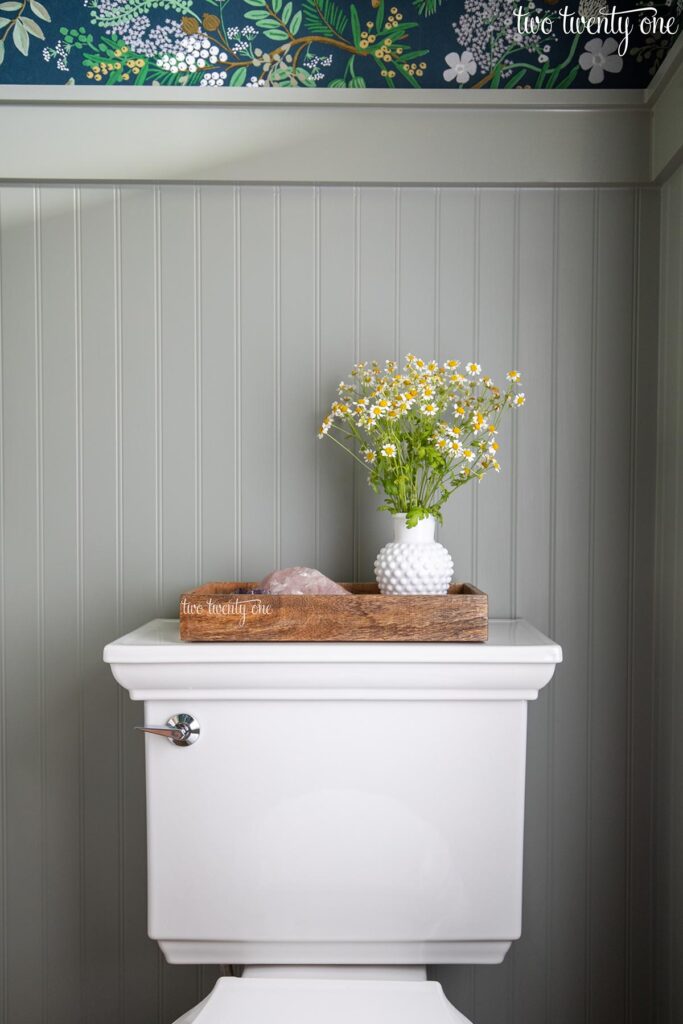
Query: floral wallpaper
x,y
408,44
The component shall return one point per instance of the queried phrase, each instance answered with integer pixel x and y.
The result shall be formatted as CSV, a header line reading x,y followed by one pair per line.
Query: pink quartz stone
x,y
299,580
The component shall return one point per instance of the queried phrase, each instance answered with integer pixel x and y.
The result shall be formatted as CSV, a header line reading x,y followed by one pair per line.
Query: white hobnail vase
x,y
413,563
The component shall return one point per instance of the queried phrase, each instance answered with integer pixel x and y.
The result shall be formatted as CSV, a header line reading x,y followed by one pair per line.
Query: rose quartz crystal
x,y
299,580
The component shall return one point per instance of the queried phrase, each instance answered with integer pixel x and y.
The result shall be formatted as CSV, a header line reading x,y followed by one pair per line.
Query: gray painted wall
x,y
668,778
165,356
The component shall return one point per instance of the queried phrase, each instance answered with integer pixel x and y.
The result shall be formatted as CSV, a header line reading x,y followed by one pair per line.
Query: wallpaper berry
x,y
418,44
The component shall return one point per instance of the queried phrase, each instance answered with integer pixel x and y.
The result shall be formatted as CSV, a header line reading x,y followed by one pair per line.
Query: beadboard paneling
x,y
668,778
166,353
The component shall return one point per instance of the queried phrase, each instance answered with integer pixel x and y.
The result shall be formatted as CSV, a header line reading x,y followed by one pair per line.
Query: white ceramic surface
x,y
413,563
349,803
243,1001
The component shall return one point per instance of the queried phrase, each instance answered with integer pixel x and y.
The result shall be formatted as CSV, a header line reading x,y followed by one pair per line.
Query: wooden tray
x,y
214,612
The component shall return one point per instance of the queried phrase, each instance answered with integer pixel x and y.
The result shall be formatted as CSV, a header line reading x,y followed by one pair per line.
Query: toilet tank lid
x,y
298,1001
510,640
153,663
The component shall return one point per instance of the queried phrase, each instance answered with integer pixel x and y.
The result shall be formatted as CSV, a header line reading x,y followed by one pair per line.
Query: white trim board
x,y
582,137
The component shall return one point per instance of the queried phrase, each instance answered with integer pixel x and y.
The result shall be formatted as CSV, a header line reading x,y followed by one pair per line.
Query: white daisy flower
x,y
389,451
474,369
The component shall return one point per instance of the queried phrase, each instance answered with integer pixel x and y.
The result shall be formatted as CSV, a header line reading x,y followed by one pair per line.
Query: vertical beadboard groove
x,y
552,591
159,476
514,463
4,974
118,589
590,604
437,276
158,397
397,273
40,534
356,359
476,299
430,218
631,613
198,459
237,396
317,357
514,453
277,370
80,578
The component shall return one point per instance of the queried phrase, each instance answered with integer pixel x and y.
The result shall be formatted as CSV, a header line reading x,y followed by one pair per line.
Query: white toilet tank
x,y
343,803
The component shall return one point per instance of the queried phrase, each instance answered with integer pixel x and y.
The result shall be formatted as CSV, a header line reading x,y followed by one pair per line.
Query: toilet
x,y
324,820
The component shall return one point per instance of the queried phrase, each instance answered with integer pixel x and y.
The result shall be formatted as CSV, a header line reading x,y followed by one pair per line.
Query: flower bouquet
x,y
421,432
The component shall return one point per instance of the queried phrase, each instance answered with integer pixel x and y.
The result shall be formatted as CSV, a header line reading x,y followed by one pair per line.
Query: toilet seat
x,y
306,1001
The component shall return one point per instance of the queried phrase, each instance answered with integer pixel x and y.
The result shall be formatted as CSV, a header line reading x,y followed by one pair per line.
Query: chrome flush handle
x,y
181,730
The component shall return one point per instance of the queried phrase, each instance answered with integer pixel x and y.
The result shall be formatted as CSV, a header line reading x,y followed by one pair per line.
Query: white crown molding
x,y
526,99
579,137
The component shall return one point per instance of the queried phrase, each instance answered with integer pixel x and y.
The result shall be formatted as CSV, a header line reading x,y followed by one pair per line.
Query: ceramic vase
x,y
413,563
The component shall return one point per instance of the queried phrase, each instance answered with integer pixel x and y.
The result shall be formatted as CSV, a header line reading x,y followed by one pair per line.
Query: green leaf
x,y
238,77
257,15
278,34
427,7
276,6
379,17
355,25
33,27
3,22
566,82
305,77
141,78
39,10
357,82
20,38
413,55
10,5
516,79
287,13
2,51
337,83
295,23
325,18
255,3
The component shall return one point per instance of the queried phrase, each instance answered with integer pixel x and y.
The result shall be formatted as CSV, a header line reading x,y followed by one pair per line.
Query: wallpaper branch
x,y
446,44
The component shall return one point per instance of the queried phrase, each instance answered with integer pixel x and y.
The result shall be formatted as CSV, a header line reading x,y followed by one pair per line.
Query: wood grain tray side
x,y
214,612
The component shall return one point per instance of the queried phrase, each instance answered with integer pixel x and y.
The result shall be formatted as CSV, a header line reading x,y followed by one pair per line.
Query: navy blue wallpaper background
x,y
432,44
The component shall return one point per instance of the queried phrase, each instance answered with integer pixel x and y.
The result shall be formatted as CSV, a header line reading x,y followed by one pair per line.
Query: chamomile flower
x,y
399,417
325,426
